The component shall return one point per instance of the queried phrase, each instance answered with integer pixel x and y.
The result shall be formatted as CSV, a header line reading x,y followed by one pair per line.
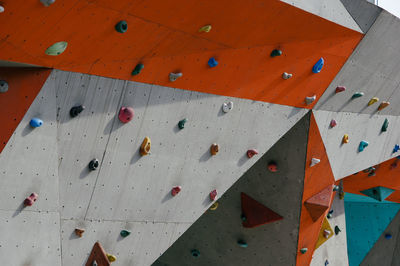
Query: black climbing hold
x,y
388,236
195,253
276,52
3,86
121,26
242,243
243,217
181,123
337,230
93,164
125,233
76,110
137,69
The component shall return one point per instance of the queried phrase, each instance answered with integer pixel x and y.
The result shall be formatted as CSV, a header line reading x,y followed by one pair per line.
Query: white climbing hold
x,y
309,100
226,107
47,2
174,76
314,161
1,9
286,75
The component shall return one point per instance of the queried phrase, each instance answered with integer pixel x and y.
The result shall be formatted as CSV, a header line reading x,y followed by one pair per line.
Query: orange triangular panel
x,y
99,255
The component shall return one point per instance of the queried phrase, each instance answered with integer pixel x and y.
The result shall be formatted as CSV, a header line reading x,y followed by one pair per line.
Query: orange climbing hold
x,y
318,204
99,255
146,145
79,232
383,105
214,149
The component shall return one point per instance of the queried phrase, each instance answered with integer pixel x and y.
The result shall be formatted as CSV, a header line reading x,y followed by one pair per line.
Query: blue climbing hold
x,y
195,253
36,122
388,236
396,148
212,62
242,243
326,262
362,146
318,66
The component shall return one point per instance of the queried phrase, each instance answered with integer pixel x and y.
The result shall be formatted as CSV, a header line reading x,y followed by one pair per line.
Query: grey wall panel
x,y
363,12
216,233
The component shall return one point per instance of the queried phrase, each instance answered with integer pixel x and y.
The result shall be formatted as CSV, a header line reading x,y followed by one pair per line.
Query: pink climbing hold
x,y
176,190
333,123
251,153
340,89
31,199
126,114
213,194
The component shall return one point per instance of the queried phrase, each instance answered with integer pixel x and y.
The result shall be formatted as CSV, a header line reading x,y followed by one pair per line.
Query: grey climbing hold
x,y
226,107
174,76
286,75
1,9
76,110
3,86
311,99
93,164
47,2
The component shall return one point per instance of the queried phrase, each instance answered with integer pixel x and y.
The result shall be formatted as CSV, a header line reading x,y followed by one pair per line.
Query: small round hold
x,y
47,2
57,48
226,107
76,110
275,53
137,70
214,149
3,86
311,99
286,75
181,124
79,232
213,195
93,164
214,206
174,76
195,253
36,122
242,243
1,9
388,236
126,114
212,62
124,233
175,190
121,26
31,199
272,167
303,250
318,66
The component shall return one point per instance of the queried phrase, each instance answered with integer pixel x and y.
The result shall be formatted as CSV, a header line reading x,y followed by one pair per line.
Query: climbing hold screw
x,y
145,147
214,149
93,164
251,153
36,122
333,123
174,76
242,243
205,28
195,253
276,52
175,190
357,95
388,236
314,161
111,258
121,26
362,145
181,123
57,48
137,69
326,233
396,148
226,107
311,99
213,195
79,232
337,230
212,62
31,199
76,110
286,75
126,114
318,66
385,125
303,250
47,2
340,89
124,233
272,167
383,105
3,86
214,206
345,138
373,100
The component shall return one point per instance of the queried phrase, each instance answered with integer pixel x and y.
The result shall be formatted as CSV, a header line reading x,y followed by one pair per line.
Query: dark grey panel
x,y
363,12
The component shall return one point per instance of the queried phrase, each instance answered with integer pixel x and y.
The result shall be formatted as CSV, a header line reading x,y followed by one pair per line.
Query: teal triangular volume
x,y
378,193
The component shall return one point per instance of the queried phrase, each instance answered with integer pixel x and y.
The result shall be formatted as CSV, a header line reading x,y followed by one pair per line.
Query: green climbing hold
x,y
385,125
195,253
121,26
276,52
357,95
57,48
137,69
337,230
303,250
242,243
181,123
125,233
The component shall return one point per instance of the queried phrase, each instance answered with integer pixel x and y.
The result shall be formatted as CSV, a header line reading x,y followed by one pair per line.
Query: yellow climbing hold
x,y
146,145
205,28
325,233
372,101
111,258
345,138
214,206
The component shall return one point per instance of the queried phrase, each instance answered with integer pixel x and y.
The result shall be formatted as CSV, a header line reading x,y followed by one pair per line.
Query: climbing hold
x,y
76,110
385,125
214,206
181,123
333,123
345,138
226,107
1,9
357,95
195,253
314,161
145,147
336,188
205,28
303,250
286,75
251,153
276,52
121,26
36,122
388,236
327,233
319,203
396,148
340,89
176,190
330,214
372,101
378,193
79,232
393,165
137,69
47,2
341,195
126,114
57,48
326,262
362,145
93,164
383,105
3,86
214,149
124,233
272,167
242,243
369,169
212,62
95,263
311,99
31,199
111,258
213,195
174,76
372,173
243,217
318,66
337,230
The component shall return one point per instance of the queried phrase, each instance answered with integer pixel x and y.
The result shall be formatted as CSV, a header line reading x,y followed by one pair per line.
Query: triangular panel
x,y
378,193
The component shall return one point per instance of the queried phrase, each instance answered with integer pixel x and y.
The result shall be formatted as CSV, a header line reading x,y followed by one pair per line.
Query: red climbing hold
x,y
251,153
176,190
213,194
340,89
318,204
99,255
272,167
256,214
126,114
31,199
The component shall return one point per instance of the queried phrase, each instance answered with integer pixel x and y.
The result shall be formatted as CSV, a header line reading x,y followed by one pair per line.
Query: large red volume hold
x,y
319,203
